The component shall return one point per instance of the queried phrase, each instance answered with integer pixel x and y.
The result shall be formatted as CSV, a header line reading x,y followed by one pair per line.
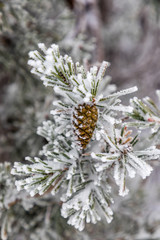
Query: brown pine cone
x,y
85,117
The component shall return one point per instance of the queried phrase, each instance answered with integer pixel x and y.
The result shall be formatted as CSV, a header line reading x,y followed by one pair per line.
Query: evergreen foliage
x,y
73,164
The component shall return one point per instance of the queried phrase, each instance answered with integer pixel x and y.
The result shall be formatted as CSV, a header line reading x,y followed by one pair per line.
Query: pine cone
x,y
84,121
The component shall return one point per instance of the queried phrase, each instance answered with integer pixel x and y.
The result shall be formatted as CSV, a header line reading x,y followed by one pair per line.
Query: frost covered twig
x,y
146,114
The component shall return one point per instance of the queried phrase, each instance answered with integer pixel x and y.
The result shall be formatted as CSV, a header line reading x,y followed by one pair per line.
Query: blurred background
x,y
125,33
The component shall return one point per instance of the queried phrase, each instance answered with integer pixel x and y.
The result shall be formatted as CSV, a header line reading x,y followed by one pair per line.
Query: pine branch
x,y
85,118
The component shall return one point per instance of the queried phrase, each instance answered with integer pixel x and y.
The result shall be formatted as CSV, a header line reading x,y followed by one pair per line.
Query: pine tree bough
x,y
87,136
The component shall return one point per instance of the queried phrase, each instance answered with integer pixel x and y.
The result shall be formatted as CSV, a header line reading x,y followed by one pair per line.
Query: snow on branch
x,y
85,207
123,159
